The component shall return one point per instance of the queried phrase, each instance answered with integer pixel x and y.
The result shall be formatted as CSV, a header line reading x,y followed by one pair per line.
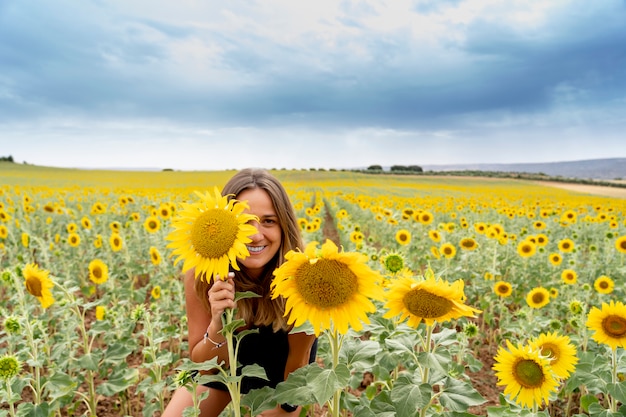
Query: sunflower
x,y
569,276
448,250
9,367
604,285
98,271
25,239
85,222
73,239
503,288
403,237
425,217
156,292
434,235
101,312
620,244
155,256
393,262
209,235
526,374
165,211
555,259
97,242
327,285
566,245
38,284
356,237
152,224
116,242
569,216
430,299
4,232
609,324
526,248
560,351
468,244
434,250
538,297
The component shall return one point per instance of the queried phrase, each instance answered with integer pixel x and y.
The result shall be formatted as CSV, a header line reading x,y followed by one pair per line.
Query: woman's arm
x,y
199,321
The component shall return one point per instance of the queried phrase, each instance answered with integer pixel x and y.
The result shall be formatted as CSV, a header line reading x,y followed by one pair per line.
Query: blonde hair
x,y
261,311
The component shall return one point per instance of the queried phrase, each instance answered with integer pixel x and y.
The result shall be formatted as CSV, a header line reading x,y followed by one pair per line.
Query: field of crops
x,y
108,336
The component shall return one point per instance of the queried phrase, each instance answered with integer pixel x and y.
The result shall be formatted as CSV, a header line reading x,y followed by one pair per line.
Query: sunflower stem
x,y
335,346
612,401
234,386
429,334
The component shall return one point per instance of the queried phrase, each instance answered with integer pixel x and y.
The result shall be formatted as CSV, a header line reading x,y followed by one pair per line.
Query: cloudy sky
x,y
204,84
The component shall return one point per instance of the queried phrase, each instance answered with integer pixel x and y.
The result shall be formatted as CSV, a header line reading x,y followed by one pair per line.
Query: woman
x,y
272,347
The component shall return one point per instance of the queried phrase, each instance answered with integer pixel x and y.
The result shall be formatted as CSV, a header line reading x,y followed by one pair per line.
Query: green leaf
x,y
409,397
259,400
296,389
327,381
119,382
116,353
60,385
596,410
459,395
445,337
88,362
358,354
240,295
188,365
255,371
587,400
501,411
33,410
617,391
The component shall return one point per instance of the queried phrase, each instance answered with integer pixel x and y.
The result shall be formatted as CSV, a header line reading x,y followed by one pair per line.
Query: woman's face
x,y
266,242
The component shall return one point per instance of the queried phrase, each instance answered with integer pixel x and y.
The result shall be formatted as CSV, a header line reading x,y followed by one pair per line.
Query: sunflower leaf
x,y
459,395
327,381
359,354
618,391
408,397
240,295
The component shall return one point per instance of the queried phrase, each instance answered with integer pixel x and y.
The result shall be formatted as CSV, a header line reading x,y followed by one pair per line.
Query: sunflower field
x,y
484,296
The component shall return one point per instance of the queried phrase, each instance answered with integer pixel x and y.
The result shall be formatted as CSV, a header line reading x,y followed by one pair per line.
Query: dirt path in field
x,y
601,190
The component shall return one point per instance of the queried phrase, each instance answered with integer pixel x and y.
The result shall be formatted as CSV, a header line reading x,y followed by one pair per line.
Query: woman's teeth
x,y
255,248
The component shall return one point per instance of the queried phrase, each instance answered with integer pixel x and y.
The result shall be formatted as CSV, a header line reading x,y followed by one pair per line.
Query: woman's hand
x,y
221,296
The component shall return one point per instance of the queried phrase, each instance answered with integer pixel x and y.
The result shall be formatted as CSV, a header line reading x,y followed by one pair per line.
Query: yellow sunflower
x,y
503,288
324,286
526,248
429,299
608,324
620,244
209,235
538,297
448,250
4,231
38,284
468,244
152,224
73,239
604,285
85,222
101,312
98,271
25,239
526,374
425,217
560,351
116,242
434,235
566,245
156,292
155,256
97,242
356,237
403,237
555,259
569,276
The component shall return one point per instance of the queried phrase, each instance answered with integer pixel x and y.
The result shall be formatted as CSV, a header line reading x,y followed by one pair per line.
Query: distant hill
x,y
596,169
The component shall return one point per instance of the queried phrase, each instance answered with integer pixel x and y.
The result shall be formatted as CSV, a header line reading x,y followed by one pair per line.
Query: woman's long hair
x,y
261,311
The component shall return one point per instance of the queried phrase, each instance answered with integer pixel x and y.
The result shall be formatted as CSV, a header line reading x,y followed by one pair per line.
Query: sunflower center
x,y
327,283
33,285
97,272
603,284
528,373
550,350
214,232
538,298
426,304
503,289
615,326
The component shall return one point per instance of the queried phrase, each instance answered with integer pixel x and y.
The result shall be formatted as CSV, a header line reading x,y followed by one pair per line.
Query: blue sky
x,y
197,85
